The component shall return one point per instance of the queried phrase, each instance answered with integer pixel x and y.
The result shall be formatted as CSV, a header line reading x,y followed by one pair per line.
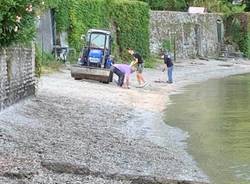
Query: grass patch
x,y
51,67
49,64
46,63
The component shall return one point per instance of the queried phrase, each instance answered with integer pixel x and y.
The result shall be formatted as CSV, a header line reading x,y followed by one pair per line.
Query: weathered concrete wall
x,y
45,32
194,34
17,75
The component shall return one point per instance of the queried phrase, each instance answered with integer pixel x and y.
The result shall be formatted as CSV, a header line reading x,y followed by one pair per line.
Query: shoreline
x,y
157,135
87,132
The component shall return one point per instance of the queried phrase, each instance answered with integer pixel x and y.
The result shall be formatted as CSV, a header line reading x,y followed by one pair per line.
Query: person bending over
x,y
123,72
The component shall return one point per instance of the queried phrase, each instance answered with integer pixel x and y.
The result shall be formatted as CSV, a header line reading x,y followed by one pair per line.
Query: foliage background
x,y
128,20
238,31
172,5
13,30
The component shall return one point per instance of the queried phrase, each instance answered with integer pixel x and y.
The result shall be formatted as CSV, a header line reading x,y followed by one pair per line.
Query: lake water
x,y
216,114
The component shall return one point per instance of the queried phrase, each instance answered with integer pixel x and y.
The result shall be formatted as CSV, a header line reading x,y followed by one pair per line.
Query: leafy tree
x,y
173,5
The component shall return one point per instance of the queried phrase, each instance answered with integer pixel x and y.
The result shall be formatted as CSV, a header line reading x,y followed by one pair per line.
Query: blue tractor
x,y
95,59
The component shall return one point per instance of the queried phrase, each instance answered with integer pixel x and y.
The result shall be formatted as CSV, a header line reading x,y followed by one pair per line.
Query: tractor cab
x,y
95,59
97,51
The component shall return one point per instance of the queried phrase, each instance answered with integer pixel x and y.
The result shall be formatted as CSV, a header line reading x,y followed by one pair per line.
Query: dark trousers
x,y
119,74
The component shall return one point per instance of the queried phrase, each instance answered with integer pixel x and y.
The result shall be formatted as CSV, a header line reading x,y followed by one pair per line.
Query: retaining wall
x,y
17,75
193,34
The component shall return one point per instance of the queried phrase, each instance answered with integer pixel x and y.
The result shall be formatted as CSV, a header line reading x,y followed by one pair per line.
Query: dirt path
x,y
89,132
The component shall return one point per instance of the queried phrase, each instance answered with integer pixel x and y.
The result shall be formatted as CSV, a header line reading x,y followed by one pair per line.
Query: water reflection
x,y
217,116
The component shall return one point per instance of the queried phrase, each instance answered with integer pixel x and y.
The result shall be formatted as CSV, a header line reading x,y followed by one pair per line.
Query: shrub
x,y
173,5
61,8
237,31
17,21
85,14
131,21
45,62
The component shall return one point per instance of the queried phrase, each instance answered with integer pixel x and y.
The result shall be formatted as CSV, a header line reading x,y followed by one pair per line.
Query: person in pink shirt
x,y
123,72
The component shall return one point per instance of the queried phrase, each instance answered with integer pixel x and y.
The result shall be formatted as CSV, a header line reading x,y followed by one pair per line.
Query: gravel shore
x,y
88,132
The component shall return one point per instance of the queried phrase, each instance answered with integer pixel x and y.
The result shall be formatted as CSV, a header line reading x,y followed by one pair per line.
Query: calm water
x,y
217,116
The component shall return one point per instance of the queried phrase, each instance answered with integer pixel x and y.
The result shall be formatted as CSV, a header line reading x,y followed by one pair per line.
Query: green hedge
x,y
128,20
61,8
238,31
85,14
131,20
244,43
172,5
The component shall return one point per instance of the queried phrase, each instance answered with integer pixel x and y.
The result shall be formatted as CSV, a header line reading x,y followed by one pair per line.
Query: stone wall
x,y
194,35
17,75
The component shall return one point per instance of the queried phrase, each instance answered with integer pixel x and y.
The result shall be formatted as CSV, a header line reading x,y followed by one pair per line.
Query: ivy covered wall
x,y
238,32
128,20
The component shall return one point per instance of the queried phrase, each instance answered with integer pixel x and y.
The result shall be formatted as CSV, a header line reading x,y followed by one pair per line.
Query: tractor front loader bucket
x,y
93,73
